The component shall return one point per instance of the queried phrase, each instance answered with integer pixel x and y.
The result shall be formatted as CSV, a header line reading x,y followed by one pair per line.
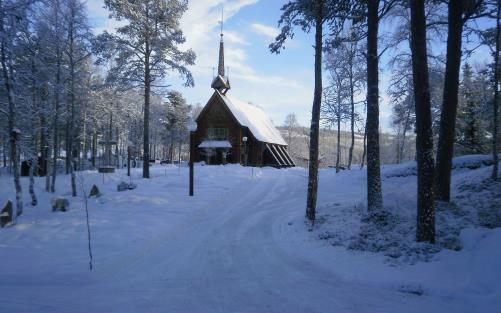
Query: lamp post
x,y
128,159
192,127
245,150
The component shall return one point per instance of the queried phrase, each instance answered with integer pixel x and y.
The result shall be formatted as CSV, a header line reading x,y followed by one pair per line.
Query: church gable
x,y
216,119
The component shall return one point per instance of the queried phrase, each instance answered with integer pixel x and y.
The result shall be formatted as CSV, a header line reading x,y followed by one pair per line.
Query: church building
x,y
233,131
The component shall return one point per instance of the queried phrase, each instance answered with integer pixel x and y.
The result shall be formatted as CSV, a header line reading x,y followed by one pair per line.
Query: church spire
x,y
220,68
221,82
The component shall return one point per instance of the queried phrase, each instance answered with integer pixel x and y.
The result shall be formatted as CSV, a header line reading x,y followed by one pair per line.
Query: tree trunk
x,y
13,132
404,134
4,155
71,132
352,128
424,142
85,139
15,168
374,192
47,164
107,146
34,156
117,152
495,105
445,149
352,112
67,160
338,148
171,149
57,88
146,127
33,165
43,144
94,147
311,201
179,151
55,126
364,151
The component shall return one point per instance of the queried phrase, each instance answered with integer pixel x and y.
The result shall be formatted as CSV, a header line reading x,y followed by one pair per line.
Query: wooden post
x,y
192,152
128,160
246,151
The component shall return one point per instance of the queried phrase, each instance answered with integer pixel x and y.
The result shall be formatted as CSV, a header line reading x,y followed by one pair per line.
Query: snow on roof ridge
x,y
254,117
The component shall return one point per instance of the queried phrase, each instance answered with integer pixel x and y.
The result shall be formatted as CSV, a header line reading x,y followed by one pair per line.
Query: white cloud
x,y
235,38
99,17
265,30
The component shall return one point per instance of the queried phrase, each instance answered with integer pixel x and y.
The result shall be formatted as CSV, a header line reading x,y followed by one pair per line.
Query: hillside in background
x,y
298,139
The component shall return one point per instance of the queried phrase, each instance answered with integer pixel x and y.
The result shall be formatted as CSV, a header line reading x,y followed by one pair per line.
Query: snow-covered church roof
x,y
246,114
255,119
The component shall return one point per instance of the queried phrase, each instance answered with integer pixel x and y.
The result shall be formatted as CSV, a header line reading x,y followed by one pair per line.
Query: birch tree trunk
x,y
33,166
352,111
146,131
55,137
71,133
13,131
338,144
48,167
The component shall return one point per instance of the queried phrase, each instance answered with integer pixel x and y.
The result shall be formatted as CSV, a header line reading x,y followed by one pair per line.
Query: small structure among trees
x,y
232,131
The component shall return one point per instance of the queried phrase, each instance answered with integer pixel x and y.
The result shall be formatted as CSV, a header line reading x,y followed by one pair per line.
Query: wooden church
x,y
233,131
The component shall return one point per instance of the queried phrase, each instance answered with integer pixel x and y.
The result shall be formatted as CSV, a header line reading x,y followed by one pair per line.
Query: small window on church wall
x,y
217,133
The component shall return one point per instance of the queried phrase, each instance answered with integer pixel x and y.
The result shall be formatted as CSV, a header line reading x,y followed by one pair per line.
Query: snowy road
x,y
237,246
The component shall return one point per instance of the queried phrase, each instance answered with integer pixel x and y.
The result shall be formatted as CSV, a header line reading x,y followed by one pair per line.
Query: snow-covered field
x,y
241,245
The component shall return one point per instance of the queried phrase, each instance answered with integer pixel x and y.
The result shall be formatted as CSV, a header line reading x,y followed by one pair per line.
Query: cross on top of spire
x,y
221,82
222,23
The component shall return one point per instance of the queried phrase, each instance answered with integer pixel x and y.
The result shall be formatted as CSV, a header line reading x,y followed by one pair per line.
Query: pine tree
x,y
148,49
470,130
175,121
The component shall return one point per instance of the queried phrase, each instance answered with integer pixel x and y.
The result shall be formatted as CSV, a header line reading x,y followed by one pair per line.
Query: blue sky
x,y
280,84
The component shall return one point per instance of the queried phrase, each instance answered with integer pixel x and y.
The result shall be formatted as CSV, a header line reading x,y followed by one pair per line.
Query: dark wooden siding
x,y
217,115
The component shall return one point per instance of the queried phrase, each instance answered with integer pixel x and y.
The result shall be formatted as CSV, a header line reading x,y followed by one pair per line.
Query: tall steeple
x,y
220,68
221,82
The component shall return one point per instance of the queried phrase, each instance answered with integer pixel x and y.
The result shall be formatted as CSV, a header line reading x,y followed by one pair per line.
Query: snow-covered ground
x,y
241,245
